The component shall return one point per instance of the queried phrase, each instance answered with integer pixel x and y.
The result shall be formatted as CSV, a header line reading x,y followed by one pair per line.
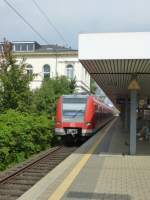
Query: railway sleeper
x,y
23,182
7,197
15,193
42,168
28,174
53,159
13,186
27,178
50,163
35,171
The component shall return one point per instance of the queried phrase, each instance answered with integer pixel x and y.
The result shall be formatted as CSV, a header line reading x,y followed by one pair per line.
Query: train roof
x,y
75,96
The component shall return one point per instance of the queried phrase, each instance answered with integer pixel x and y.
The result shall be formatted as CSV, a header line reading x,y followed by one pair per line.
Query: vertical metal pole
x,y
128,120
133,105
126,114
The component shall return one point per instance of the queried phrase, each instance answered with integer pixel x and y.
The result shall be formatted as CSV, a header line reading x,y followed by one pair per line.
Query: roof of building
x,y
53,47
41,48
45,48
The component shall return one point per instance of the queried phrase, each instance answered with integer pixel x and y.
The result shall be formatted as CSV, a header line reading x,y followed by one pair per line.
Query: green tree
x,y
45,98
14,81
92,86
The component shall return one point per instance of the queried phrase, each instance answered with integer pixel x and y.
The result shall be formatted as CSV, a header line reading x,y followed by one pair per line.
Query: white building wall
x,y
58,67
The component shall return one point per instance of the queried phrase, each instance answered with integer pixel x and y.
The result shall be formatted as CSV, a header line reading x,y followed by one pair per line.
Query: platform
x,y
99,169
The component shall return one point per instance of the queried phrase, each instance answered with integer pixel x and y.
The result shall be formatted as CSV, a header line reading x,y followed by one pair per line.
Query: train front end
x,y
70,117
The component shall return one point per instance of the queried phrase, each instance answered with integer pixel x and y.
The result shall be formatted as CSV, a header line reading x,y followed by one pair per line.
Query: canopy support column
x,y
126,114
133,105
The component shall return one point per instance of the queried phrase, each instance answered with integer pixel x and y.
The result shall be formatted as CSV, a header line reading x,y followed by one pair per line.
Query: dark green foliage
x,y
22,135
14,82
92,86
45,98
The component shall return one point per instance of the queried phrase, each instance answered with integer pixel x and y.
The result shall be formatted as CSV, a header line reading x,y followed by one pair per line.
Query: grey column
x,y
128,120
133,105
126,114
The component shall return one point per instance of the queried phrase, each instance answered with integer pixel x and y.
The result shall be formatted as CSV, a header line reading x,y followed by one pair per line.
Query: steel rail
x,y
5,179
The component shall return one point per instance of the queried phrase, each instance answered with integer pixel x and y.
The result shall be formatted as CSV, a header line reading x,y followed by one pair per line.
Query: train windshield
x,y
73,109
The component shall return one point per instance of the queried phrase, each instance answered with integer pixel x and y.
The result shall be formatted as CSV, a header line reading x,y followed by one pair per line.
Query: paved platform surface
x,y
98,170
112,178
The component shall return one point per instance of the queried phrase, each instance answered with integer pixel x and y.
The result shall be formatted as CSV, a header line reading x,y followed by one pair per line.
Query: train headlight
x,y
58,123
88,123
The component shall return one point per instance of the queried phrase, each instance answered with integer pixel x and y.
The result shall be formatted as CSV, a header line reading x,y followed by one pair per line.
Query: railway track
x,y
17,182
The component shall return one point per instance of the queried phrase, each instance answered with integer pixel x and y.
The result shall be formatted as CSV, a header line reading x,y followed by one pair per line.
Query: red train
x,y
79,116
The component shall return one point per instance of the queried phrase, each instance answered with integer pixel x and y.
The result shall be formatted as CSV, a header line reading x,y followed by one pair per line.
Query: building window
x,y
46,71
69,71
30,47
29,69
23,47
17,47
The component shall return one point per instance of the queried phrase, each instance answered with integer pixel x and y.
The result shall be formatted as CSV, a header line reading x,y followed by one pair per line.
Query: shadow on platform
x,y
117,141
104,196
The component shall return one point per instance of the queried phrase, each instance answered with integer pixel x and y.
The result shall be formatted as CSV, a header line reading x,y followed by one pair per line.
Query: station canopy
x,y
112,59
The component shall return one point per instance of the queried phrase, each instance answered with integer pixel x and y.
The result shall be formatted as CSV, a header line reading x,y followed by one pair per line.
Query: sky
x,y
72,17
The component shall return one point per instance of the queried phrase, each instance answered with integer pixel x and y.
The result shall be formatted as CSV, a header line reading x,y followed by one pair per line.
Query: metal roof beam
x,y
139,73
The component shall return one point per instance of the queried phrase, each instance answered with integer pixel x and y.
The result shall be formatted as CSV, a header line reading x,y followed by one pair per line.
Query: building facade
x,y
51,61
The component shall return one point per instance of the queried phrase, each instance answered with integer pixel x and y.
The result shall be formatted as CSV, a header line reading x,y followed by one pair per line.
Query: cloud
x,y
73,17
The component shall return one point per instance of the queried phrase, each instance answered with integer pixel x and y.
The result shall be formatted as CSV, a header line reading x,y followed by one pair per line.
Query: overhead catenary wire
x,y
25,21
50,22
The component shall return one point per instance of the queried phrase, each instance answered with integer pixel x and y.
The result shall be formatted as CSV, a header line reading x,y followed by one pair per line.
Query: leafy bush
x,y
45,98
22,135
